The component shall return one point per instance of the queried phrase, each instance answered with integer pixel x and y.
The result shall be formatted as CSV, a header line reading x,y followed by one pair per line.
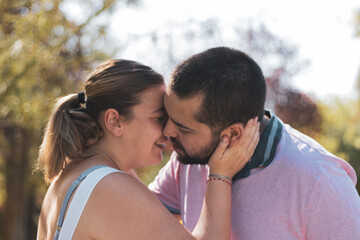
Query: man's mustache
x,y
175,142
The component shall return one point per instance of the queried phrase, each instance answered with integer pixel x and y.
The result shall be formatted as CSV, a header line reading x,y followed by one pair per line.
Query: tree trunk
x,y
17,183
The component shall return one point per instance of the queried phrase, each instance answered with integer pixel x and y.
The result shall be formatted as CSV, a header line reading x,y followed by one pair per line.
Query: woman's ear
x,y
113,122
233,132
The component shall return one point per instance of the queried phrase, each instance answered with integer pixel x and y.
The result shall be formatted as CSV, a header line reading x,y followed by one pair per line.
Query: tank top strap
x,y
88,179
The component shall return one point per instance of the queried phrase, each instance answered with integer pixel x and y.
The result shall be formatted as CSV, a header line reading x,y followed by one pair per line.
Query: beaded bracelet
x,y
215,175
219,178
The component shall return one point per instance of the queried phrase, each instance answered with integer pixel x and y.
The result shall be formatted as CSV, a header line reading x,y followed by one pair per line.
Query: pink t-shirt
x,y
305,193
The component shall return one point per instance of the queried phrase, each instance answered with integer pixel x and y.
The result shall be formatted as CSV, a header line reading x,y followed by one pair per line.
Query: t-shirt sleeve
x,y
166,185
334,210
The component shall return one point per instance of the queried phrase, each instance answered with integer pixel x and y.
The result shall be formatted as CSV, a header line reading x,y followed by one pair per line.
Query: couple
x,y
213,113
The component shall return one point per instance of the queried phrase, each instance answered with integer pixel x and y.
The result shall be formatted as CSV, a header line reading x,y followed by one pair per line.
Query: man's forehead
x,y
173,101
182,110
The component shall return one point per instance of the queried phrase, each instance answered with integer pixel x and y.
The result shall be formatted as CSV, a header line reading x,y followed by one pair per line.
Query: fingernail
x,y
224,139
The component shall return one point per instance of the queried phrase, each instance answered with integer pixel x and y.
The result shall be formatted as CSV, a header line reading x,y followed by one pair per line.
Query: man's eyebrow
x,y
180,125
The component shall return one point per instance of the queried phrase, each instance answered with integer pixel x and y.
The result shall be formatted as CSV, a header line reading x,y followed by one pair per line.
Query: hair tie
x,y
81,97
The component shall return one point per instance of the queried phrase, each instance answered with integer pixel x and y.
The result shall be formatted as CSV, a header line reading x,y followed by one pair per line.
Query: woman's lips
x,y
160,145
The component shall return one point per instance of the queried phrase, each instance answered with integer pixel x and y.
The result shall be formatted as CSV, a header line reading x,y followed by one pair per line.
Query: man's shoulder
x,y
307,157
303,148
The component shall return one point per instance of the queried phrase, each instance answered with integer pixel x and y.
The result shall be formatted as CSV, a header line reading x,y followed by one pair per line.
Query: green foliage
x,y
341,131
41,58
357,32
43,55
147,174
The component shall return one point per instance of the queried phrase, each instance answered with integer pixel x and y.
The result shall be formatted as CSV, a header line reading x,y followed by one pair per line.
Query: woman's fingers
x,y
249,137
250,129
229,160
221,148
254,140
245,147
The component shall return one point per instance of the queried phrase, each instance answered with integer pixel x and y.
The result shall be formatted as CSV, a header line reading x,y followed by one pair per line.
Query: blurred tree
x,y
176,41
43,54
357,32
341,131
292,106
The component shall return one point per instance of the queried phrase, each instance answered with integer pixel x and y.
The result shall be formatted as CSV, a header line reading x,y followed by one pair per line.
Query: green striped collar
x,y
266,148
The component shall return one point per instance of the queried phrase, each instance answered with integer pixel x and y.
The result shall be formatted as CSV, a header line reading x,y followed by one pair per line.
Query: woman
x,y
118,124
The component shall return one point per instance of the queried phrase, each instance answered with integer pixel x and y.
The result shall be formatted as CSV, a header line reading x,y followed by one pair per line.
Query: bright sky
x,y
322,30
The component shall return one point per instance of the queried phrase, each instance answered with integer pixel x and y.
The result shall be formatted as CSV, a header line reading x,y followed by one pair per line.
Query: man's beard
x,y
201,157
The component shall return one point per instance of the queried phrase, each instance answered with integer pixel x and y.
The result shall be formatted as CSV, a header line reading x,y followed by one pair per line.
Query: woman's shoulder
x,y
119,183
117,202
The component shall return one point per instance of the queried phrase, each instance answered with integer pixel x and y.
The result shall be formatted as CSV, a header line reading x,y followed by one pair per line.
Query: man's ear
x,y
113,122
233,132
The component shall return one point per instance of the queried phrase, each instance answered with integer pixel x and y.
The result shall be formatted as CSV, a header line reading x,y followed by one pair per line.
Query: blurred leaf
x,y
341,131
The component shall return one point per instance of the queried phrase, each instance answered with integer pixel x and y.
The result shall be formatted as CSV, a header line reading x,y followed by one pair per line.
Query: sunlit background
x,y
309,52
322,32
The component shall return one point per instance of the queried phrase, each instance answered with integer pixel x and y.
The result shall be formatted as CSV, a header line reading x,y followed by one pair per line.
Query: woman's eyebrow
x,y
162,109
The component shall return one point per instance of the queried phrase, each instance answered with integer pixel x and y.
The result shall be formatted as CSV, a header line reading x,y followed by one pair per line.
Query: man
x,y
292,188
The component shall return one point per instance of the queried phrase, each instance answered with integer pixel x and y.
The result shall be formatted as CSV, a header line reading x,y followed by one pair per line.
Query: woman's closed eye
x,y
163,117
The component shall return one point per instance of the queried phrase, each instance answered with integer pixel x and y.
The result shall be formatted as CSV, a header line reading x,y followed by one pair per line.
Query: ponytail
x,y
69,131
115,84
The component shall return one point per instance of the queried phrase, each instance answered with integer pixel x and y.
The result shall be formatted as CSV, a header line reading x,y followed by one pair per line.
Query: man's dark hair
x,y
231,83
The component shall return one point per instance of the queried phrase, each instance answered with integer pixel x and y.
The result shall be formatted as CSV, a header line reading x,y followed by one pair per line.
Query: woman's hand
x,y
227,161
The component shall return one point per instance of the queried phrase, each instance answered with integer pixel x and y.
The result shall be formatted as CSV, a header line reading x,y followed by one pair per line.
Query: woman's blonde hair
x,y
71,128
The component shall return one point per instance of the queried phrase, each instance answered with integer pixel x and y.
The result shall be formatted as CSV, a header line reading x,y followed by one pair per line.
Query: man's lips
x,y
177,147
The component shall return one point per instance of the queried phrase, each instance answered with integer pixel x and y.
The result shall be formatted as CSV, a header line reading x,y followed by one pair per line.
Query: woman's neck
x,y
108,156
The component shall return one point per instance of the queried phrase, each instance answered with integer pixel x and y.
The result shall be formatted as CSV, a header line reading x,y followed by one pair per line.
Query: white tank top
x,y
88,179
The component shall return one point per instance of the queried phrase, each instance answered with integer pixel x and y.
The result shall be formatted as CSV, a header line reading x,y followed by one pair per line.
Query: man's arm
x,y
166,186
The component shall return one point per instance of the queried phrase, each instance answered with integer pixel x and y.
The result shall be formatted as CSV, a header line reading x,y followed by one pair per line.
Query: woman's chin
x,y
155,160
158,160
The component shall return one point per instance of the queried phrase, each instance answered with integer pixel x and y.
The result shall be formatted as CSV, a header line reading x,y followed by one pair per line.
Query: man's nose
x,y
169,129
